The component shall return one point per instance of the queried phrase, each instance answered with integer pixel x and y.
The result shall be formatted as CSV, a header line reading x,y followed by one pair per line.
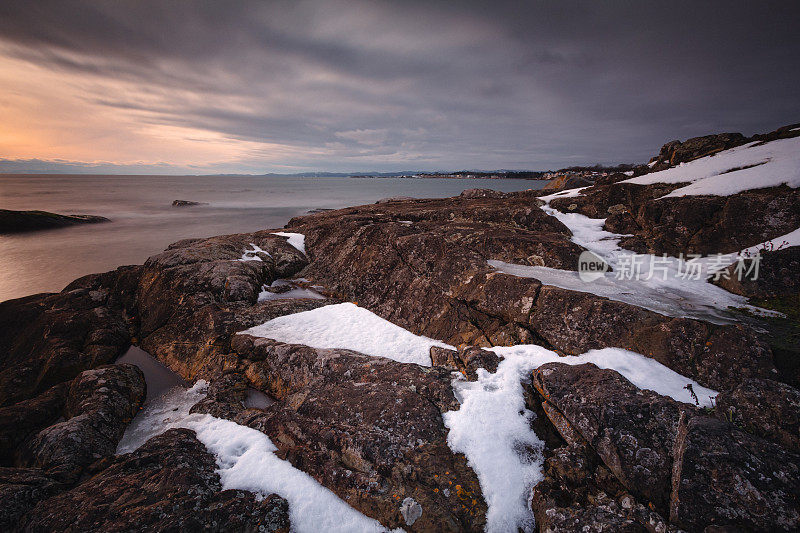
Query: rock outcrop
x,y
691,224
197,293
100,404
46,339
388,442
22,221
370,429
698,470
169,484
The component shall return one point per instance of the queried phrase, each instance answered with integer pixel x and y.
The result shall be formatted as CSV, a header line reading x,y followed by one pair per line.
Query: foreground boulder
x,y
46,339
100,404
694,468
169,484
726,477
368,428
632,430
196,294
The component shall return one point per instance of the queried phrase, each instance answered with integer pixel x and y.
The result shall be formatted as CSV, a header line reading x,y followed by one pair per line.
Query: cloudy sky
x,y
208,87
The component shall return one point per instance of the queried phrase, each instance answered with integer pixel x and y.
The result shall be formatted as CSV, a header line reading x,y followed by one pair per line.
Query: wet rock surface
x,y
169,484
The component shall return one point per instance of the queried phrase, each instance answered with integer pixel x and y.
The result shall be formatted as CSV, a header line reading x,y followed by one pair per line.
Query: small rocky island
x,y
22,221
440,367
186,203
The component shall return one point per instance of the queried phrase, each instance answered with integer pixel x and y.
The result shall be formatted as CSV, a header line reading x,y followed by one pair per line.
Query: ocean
x,y
143,221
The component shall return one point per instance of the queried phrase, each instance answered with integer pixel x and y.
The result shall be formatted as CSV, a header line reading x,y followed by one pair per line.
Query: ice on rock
x,y
294,292
670,286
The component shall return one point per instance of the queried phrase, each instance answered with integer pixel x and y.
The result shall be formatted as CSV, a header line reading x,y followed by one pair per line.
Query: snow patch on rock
x,y
298,240
247,461
751,166
349,327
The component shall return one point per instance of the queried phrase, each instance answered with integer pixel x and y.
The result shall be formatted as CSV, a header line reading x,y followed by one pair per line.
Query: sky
x,y
282,87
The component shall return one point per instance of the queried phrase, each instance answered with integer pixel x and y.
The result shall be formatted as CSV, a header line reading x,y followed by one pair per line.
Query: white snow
x,y
567,193
790,239
247,461
298,240
295,292
642,371
252,255
776,162
350,327
492,427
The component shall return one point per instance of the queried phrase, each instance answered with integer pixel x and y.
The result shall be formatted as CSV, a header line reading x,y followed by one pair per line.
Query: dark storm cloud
x,y
440,85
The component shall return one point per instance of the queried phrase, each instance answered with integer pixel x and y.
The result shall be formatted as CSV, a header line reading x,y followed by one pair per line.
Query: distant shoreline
x,y
456,177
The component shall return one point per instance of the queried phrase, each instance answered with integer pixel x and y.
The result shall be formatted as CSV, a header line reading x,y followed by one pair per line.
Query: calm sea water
x,y
144,222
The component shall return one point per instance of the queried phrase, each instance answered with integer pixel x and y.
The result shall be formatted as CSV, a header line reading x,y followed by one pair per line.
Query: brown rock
x,y
225,396
717,356
196,294
22,221
765,408
688,224
99,406
23,420
388,442
482,193
632,430
466,360
724,477
46,339
169,484
20,490
676,152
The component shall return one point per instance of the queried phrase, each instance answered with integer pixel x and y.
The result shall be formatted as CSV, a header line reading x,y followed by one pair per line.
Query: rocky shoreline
x,y
580,397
